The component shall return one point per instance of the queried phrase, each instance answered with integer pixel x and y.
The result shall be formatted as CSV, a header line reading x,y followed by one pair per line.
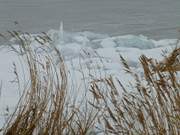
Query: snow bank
x,y
95,55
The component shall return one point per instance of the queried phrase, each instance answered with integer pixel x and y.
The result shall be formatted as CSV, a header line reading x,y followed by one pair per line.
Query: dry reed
x,y
153,107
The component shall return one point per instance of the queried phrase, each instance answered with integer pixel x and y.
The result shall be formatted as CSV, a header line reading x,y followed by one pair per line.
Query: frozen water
x,y
87,56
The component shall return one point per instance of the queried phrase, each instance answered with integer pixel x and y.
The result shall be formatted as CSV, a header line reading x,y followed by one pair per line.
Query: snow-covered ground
x,y
87,56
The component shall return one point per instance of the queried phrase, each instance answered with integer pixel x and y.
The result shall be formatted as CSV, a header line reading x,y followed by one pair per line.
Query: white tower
x,y
61,33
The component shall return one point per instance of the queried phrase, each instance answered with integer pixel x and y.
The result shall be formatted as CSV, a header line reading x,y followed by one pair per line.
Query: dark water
x,y
153,18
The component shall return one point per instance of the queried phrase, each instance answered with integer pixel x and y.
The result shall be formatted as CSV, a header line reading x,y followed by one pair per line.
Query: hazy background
x,y
154,18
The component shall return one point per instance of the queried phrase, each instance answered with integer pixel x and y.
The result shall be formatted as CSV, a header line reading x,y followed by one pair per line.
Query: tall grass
x,y
153,107
45,107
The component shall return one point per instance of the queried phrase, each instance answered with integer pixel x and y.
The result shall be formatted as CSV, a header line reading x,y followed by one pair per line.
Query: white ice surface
x,y
98,56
